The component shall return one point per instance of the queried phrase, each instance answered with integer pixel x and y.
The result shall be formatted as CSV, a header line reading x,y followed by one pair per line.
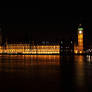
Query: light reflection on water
x,y
53,71
30,59
80,75
14,62
89,58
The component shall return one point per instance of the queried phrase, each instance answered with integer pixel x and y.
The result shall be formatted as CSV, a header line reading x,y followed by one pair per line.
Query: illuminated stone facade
x,y
30,49
79,48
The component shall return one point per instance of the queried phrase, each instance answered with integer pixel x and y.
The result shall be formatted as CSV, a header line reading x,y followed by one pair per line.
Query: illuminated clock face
x,y
80,32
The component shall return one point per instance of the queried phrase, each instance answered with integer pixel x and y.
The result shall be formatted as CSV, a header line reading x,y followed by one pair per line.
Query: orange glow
x,y
79,68
1,49
80,52
28,60
27,49
80,42
76,51
79,48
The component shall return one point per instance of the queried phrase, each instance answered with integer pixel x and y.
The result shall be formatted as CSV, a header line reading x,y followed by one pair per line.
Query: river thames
x,y
45,73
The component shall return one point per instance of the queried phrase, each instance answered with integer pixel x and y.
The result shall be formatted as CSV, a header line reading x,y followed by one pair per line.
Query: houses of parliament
x,y
43,47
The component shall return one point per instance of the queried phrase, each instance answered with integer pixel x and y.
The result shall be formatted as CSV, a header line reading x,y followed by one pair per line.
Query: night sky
x,y
39,24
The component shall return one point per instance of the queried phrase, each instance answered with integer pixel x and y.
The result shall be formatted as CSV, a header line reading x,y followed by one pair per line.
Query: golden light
x,y
76,51
80,41
78,48
80,52
27,49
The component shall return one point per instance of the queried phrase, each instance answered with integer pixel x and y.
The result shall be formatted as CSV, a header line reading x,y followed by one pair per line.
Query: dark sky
x,y
41,24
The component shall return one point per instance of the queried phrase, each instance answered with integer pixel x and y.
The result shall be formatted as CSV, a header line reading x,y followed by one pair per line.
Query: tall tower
x,y
0,34
80,39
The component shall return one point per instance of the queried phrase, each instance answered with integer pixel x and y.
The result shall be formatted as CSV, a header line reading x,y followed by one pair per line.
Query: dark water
x,y
45,73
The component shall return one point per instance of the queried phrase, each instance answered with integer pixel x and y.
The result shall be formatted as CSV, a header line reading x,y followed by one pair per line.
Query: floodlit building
x,y
25,48
43,47
78,49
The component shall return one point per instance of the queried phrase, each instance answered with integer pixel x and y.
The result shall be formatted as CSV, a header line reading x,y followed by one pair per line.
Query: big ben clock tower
x,y
80,39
